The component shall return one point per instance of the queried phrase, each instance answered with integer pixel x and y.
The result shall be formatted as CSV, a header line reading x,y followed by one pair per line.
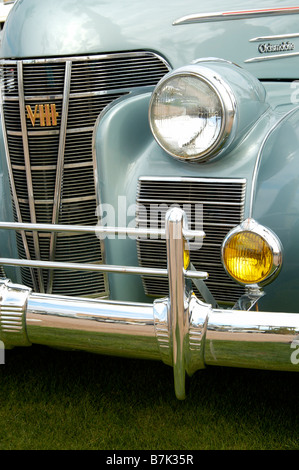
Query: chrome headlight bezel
x,y
228,103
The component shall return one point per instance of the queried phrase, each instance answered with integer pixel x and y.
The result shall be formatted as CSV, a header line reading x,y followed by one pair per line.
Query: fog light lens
x,y
186,256
251,256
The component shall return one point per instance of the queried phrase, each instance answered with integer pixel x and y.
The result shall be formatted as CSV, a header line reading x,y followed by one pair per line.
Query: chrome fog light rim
x,y
268,237
227,101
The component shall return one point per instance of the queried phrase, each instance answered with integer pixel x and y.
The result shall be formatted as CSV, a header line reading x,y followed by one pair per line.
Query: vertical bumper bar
x,y
187,322
178,321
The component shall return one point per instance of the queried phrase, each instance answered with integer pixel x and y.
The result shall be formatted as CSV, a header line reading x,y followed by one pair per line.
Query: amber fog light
x,y
186,256
252,254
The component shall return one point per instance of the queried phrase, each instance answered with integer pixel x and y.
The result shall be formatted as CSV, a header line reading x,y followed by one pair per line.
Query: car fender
x,y
275,204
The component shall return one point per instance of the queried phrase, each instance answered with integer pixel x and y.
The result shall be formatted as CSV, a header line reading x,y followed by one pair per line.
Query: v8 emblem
x,y
46,113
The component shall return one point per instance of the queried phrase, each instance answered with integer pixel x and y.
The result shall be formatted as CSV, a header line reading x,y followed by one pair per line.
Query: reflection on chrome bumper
x,y
209,337
182,331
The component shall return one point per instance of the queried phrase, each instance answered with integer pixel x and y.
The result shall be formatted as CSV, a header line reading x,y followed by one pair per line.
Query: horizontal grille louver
x,y
93,83
220,203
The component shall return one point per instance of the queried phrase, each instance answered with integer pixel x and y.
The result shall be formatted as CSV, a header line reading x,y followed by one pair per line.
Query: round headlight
x,y
191,113
252,254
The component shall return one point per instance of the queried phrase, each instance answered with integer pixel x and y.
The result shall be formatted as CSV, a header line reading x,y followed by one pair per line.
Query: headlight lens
x,y
191,115
251,254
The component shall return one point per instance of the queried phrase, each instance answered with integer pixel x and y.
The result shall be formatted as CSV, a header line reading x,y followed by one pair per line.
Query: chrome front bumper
x,y
182,331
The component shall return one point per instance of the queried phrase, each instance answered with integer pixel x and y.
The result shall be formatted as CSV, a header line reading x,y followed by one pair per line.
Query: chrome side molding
x,y
235,15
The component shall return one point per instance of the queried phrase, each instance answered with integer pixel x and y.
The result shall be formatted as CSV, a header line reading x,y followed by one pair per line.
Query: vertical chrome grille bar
x,y
28,168
14,195
60,165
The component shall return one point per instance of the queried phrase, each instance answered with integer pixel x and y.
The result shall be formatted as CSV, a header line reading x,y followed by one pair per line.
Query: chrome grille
x,y
50,107
222,203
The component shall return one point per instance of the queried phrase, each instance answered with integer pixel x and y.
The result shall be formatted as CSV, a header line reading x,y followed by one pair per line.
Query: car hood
x,y
75,27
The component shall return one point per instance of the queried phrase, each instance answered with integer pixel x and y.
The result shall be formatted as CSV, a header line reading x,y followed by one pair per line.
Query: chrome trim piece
x,y
14,192
191,351
276,37
203,289
99,230
28,169
247,301
234,15
100,268
187,179
259,340
81,95
34,98
162,320
271,57
97,326
66,166
175,221
13,306
212,59
60,164
73,199
198,315
113,55
33,133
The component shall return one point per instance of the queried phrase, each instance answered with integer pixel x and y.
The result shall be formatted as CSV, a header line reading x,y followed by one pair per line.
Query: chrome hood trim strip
x,y
271,57
274,37
234,15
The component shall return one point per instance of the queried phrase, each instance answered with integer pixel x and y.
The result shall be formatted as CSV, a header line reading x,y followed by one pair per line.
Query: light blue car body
x,y
256,51
71,28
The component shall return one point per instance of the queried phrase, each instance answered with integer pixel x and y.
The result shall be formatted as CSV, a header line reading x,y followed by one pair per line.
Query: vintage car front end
x,y
149,181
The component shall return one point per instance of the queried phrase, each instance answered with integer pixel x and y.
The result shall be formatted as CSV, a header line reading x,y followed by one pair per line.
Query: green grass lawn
x,y
51,399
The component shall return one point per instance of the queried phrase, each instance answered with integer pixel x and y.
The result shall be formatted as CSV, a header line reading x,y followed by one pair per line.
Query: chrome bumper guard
x,y
180,330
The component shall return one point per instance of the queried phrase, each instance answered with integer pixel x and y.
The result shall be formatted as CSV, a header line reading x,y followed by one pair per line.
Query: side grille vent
x,y
220,204
50,107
